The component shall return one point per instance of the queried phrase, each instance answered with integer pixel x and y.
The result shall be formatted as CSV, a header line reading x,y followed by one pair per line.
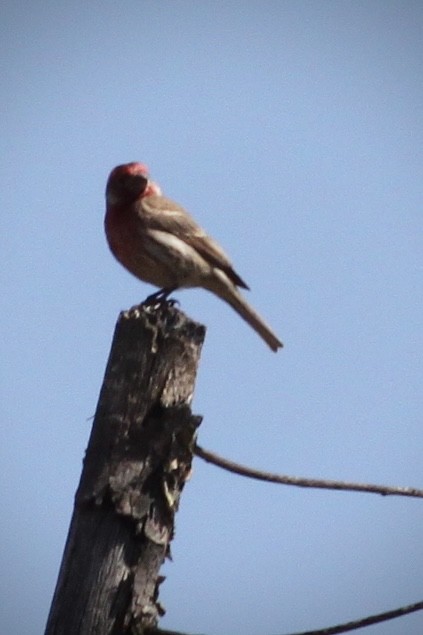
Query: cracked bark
x,y
137,462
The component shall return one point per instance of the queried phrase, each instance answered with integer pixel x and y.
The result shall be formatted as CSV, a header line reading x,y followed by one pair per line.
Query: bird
x,y
160,243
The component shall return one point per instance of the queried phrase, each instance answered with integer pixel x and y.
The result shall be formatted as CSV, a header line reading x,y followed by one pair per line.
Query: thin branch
x,y
335,630
366,621
298,481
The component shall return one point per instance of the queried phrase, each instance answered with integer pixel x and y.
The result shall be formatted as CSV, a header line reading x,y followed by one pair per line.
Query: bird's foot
x,y
161,297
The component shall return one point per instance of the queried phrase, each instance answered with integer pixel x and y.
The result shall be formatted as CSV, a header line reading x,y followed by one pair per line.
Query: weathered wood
x,y
137,461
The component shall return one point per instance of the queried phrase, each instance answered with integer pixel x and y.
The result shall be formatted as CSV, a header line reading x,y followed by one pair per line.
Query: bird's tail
x,y
225,289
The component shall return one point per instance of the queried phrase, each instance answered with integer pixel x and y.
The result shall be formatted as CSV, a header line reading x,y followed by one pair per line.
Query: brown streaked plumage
x,y
160,243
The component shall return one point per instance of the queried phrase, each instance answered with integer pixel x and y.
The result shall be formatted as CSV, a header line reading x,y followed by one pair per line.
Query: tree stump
x,y
137,462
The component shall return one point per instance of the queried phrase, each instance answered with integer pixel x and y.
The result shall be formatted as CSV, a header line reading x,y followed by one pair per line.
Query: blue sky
x,y
292,131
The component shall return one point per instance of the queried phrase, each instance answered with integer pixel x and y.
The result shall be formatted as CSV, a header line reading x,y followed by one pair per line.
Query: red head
x,y
126,183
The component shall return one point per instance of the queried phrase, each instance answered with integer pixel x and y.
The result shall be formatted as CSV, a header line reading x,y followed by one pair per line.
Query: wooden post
x,y
137,462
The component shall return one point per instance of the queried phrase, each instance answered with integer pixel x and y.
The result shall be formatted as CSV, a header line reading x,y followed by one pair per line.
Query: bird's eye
x,y
134,183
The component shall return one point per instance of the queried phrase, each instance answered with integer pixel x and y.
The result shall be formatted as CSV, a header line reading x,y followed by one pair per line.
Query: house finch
x,y
159,242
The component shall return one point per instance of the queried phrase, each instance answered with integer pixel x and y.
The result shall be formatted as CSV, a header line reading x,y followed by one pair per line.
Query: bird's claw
x,y
161,297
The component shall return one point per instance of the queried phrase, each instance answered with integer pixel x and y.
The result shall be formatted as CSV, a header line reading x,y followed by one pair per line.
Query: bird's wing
x,y
162,214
